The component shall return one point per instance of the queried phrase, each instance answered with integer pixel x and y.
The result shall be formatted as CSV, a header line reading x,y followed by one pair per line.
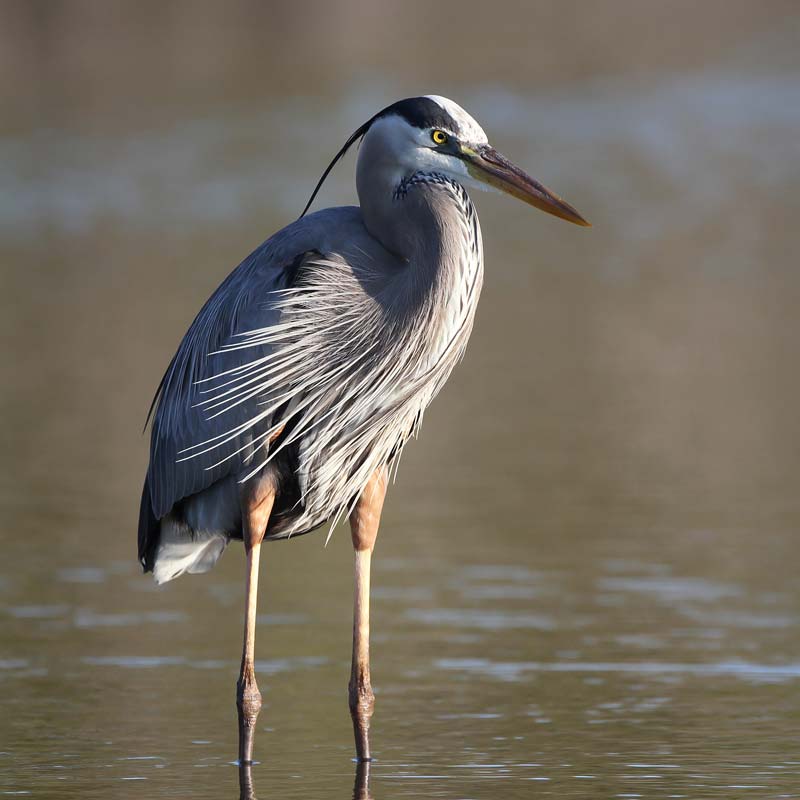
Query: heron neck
x,y
428,221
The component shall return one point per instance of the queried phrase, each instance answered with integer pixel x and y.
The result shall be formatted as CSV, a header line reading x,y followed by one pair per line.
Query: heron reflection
x,y
360,785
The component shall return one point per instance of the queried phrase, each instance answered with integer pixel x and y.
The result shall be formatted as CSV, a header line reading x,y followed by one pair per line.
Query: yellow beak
x,y
487,165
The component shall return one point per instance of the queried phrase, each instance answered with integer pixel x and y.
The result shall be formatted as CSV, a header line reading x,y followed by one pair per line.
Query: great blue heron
x,y
298,383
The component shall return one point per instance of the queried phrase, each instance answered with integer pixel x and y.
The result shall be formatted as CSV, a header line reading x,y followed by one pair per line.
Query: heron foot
x,y
362,704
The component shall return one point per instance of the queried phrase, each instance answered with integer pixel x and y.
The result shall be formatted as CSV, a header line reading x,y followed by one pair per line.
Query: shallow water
x,y
586,584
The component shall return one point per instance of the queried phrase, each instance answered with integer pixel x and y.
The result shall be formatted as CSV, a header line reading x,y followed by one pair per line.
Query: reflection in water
x,y
360,784
246,789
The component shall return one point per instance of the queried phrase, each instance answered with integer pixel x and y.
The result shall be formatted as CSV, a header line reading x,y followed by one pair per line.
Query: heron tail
x,y
170,546
149,528
182,549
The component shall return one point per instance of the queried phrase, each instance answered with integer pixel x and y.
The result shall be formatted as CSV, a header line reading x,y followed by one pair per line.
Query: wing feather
x,y
216,349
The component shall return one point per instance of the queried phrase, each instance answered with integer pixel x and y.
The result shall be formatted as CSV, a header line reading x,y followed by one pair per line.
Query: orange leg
x,y
256,500
364,521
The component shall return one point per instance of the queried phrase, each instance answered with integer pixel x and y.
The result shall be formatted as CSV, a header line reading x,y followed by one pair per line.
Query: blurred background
x,y
586,583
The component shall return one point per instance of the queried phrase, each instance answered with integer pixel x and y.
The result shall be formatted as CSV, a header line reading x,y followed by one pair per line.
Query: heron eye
x,y
440,137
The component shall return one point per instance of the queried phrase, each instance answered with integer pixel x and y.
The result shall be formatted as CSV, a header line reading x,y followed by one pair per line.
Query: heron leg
x,y
364,521
256,502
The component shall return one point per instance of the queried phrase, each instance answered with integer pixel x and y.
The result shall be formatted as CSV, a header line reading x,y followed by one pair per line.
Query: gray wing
x,y
191,444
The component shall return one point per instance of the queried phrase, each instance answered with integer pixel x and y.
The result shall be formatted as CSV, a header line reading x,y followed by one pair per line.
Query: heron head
x,y
434,134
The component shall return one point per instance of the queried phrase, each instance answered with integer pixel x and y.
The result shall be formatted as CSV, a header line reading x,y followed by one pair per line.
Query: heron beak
x,y
488,166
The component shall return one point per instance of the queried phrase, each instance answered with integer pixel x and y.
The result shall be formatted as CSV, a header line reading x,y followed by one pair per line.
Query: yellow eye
x,y
440,137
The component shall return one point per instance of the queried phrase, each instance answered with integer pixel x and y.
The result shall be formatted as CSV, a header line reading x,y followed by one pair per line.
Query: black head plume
x,y
421,112
354,137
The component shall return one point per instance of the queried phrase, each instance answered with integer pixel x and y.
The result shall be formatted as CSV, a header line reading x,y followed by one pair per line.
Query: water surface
x,y
586,584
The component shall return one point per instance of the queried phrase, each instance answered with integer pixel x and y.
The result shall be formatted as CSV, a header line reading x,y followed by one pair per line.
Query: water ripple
x,y
513,670
670,589
485,620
